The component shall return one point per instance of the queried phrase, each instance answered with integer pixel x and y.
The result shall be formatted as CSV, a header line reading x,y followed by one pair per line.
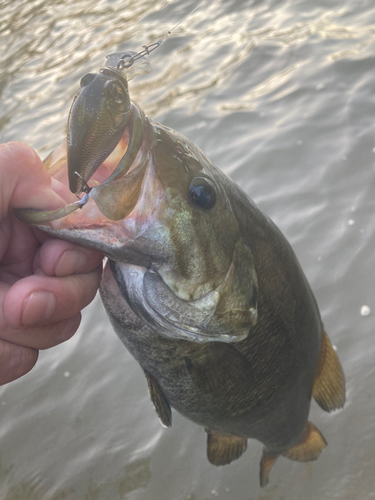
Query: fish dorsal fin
x,y
310,447
329,382
223,448
159,401
218,368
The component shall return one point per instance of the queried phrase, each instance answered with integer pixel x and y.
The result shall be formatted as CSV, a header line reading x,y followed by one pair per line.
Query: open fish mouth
x,y
97,219
106,185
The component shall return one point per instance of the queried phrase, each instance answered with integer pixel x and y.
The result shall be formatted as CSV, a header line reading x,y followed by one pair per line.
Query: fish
x,y
200,285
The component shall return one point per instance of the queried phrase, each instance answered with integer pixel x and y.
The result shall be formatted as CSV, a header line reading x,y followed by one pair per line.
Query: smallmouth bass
x,y
201,286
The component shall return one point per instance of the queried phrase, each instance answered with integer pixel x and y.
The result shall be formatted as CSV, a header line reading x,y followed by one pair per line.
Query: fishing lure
x,y
120,68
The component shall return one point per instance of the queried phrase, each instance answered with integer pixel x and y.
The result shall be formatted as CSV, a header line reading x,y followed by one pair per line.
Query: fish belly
x,y
247,409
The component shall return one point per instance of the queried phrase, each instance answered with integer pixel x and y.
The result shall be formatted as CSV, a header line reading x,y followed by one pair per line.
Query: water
x,y
280,95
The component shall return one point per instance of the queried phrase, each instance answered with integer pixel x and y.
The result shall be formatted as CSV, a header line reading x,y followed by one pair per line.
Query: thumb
x,y
24,183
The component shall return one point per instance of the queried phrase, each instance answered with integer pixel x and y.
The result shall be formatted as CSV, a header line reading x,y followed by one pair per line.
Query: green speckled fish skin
x,y
260,386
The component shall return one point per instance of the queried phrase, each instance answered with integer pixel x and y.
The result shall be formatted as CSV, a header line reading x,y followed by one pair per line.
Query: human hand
x,y
44,282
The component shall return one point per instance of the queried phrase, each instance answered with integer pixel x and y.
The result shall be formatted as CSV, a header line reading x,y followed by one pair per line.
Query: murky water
x,y
280,95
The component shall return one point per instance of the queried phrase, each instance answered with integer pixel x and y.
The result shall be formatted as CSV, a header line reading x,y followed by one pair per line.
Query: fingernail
x,y
38,308
72,261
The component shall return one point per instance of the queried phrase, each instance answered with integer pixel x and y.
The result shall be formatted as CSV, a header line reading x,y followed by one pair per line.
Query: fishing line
x,y
124,64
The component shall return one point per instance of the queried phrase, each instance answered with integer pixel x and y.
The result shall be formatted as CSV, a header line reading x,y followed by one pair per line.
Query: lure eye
x,y
202,192
114,91
87,79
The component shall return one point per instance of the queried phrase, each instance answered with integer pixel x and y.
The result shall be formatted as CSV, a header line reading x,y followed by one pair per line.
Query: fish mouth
x,y
100,218
115,184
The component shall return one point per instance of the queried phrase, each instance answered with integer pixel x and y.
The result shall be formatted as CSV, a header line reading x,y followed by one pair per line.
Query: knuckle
x,y
15,361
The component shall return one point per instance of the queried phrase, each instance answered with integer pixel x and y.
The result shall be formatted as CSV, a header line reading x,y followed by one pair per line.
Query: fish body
x,y
208,296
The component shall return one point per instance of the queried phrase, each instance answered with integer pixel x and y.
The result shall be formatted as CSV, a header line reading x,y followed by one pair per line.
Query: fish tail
x,y
308,449
329,382
266,464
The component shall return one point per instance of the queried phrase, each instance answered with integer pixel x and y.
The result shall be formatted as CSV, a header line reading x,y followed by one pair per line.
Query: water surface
x,y
280,95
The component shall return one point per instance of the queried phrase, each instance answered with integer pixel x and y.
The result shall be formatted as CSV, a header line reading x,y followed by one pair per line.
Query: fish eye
x,y
87,79
114,90
202,192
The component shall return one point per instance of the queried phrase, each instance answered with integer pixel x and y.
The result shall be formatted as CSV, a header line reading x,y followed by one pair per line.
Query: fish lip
x,y
95,235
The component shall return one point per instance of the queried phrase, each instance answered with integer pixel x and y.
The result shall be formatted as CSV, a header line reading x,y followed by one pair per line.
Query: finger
x,y
61,258
42,336
18,248
15,361
40,300
24,181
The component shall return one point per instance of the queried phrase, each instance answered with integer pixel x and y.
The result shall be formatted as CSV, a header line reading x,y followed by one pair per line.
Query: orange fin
x,y
329,383
159,401
310,447
223,448
266,464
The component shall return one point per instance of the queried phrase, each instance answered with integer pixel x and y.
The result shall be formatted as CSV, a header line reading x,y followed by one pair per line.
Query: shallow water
x,y
280,95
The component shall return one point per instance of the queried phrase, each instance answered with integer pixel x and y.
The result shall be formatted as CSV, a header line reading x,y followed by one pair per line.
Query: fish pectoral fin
x,y
218,369
266,464
310,447
223,448
160,402
329,382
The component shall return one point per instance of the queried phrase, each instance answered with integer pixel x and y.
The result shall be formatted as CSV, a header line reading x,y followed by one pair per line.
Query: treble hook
x,y
86,188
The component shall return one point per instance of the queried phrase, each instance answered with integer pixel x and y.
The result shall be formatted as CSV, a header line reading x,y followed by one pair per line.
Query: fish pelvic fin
x,y
223,448
310,447
160,402
329,382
